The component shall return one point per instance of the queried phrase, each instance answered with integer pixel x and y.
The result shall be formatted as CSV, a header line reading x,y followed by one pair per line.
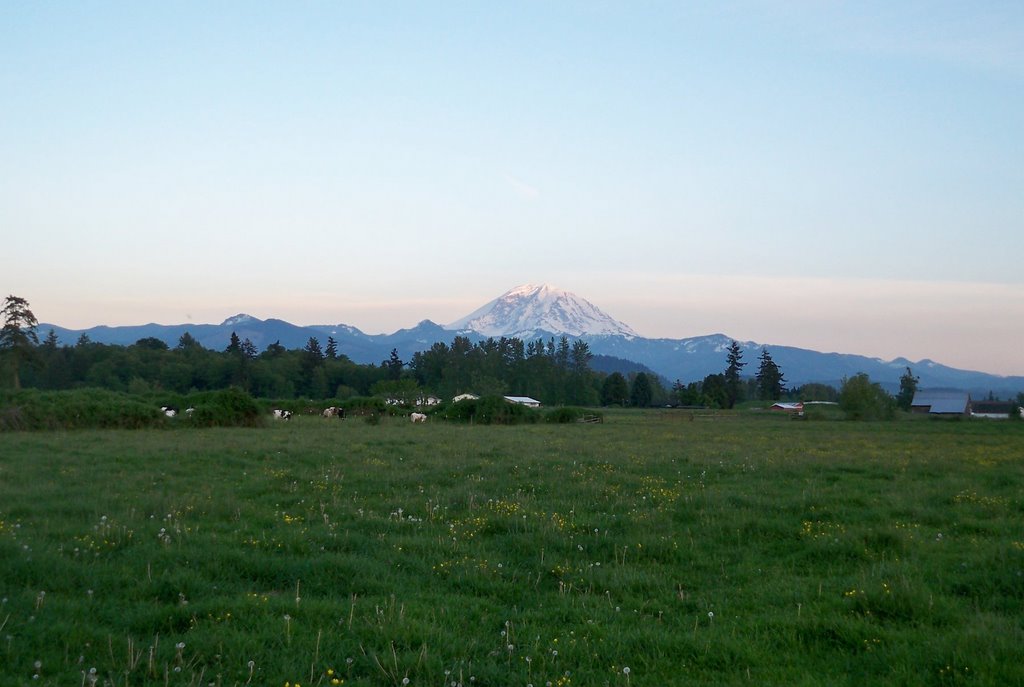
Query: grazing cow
x,y
189,411
282,414
335,411
418,417
169,411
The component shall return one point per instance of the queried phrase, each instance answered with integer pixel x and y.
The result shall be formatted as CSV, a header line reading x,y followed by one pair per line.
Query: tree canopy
x,y
770,381
18,337
734,365
908,387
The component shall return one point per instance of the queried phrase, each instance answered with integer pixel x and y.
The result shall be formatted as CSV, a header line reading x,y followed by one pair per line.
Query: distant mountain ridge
x,y
532,312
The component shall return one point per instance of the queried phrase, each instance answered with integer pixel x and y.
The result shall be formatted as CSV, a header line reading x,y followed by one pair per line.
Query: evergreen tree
x,y
562,354
313,351
393,366
580,357
332,348
188,343
234,345
249,349
18,336
770,382
733,385
908,387
312,381
641,393
614,390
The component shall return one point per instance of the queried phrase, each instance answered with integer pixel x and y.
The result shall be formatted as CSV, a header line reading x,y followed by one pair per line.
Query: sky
x,y
841,176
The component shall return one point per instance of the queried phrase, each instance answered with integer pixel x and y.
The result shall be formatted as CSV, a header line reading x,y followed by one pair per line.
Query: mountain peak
x,y
525,310
240,318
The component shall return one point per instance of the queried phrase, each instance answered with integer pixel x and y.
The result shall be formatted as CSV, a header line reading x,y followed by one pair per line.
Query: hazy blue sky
x,y
840,176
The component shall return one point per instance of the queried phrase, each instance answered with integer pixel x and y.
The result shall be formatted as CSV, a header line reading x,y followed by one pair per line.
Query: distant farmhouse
x,y
995,410
524,400
941,402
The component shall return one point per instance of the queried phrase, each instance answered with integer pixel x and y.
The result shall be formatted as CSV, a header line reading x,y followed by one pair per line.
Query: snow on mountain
x,y
240,318
528,309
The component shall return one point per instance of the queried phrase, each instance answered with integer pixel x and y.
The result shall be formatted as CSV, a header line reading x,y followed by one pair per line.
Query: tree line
x,y
554,371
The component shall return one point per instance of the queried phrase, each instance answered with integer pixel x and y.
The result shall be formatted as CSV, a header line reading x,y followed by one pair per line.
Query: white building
x,y
524,401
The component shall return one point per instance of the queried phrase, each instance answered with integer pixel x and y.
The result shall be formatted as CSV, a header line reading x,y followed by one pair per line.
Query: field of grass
x,y
652,549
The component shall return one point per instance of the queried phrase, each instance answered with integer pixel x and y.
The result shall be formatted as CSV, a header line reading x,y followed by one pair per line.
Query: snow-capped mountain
x,y
240,318
527,310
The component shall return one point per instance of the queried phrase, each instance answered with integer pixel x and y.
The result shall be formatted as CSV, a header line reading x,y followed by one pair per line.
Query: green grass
x,y
693,549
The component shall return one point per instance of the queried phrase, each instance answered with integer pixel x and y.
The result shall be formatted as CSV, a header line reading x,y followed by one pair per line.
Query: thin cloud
x,y
522,188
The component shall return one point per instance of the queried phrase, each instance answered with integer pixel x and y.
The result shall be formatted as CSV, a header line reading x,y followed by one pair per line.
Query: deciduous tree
x,y
908,387
862,399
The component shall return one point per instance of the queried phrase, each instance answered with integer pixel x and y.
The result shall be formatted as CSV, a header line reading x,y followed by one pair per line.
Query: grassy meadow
x,y
653,549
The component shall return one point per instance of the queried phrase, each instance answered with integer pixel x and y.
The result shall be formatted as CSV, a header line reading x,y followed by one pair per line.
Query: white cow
x,y
418,417
282,414
334,411
169,411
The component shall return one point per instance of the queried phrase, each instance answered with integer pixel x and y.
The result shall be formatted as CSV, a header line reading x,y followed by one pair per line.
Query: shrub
x,y
364,406
78,409
489,410
227,408
570,414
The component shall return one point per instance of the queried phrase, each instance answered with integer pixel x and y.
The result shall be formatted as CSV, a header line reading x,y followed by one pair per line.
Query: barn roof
x,y
942,401
524,400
